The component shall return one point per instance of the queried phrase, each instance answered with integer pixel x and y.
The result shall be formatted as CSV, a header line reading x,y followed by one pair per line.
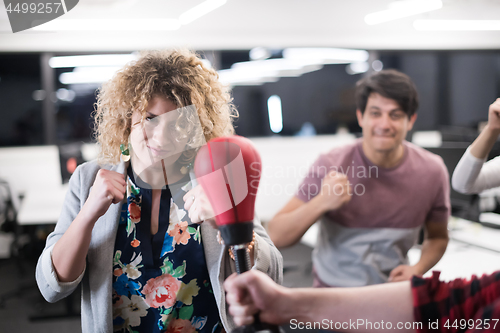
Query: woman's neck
x,y
157,176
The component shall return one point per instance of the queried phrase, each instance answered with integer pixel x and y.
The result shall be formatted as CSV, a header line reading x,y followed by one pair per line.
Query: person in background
x,y
472,174
419,305
135,230
373,197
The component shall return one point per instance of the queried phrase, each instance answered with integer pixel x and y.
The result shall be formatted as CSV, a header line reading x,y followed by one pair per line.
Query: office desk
x,y
474,234
473,249
42,206
461,261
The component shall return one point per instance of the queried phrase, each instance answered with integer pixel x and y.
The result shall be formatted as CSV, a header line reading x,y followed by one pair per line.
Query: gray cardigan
x,y
96,279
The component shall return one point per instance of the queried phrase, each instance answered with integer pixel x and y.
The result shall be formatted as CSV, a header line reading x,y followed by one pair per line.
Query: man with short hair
x,y
372,197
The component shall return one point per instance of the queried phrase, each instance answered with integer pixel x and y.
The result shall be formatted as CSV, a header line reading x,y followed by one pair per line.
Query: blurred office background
x,y
292,67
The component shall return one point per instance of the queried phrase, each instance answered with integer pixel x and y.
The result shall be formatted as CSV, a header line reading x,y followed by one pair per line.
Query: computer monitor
x,y
463,205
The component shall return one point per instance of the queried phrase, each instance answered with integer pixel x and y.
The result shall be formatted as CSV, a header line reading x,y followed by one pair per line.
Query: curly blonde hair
x,y
178,75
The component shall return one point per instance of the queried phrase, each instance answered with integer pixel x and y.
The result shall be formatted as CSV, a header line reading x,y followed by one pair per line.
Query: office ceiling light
x,y
93,60
457,25
259,53
110,25
65,95
246,77
295,62
274,65
262,71
401,9
326,55
377,65
275,113
357,68
88,75
200,10
132,25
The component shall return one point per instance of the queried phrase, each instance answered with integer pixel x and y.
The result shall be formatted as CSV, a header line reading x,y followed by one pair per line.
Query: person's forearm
x,y
70,251
286,229
379,305
481,147
432,251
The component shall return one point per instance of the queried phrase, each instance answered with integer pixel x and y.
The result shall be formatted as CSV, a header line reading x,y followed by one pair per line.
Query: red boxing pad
x,y
228,169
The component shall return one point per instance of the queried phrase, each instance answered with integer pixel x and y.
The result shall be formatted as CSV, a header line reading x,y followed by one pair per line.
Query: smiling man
x,y
372,197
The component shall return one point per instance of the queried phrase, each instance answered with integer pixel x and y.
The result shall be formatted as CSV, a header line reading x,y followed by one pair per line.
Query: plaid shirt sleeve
x,y
462,305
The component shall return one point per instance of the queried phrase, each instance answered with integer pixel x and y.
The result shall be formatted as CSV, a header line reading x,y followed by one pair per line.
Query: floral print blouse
x,y
161,281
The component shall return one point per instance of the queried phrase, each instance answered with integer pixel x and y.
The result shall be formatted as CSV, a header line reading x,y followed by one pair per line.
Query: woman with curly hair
x,y
135,229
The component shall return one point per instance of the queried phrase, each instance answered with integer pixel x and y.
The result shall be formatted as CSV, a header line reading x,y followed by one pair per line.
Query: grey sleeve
x,y
46,278
267,258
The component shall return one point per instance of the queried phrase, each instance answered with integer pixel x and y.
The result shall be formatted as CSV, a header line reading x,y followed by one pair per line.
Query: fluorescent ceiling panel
x,y
200,10
110,25
326,55
457,25
401,9
93,60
